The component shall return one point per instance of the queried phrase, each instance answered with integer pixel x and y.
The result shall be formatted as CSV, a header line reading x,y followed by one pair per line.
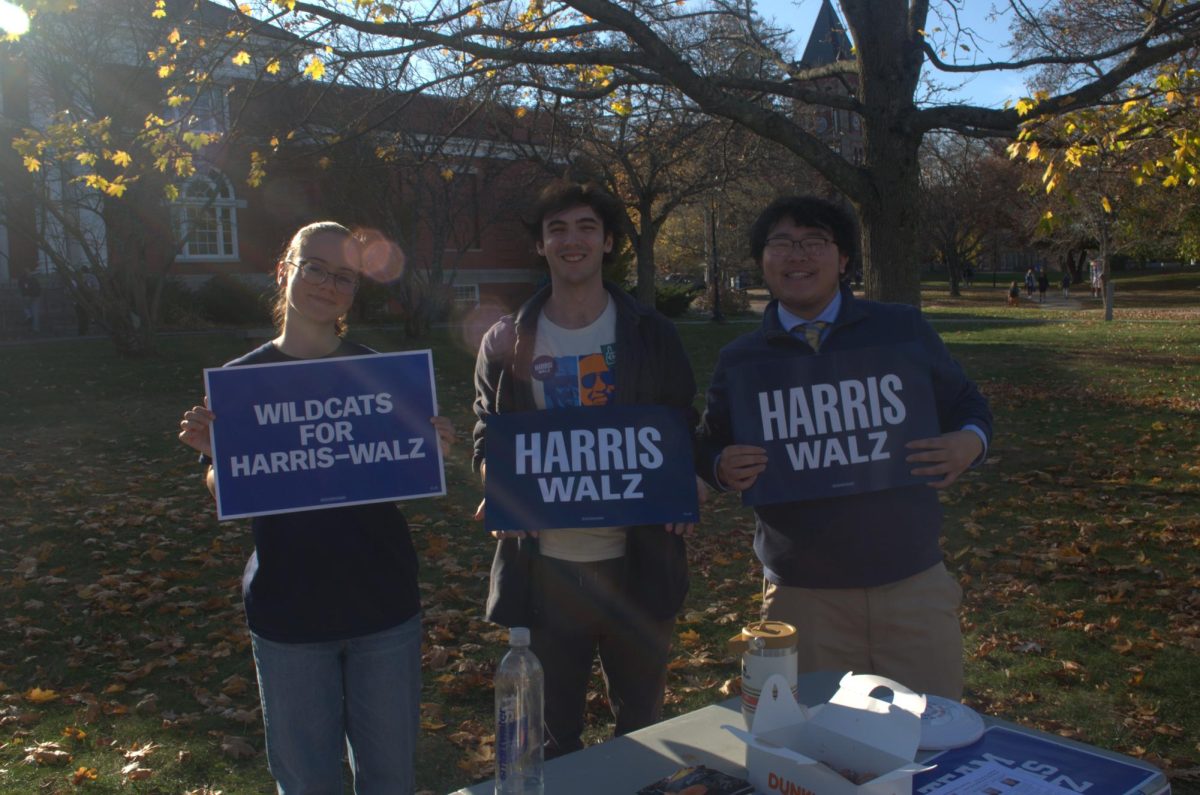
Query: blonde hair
x,y
279,307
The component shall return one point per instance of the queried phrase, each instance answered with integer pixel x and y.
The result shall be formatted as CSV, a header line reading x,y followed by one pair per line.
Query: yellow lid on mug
x,y
764,635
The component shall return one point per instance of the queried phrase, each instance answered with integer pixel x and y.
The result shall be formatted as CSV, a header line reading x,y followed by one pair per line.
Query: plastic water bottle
x,y
519,729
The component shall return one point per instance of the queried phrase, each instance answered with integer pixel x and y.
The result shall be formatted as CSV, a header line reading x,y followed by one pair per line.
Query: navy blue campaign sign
x,y
1066,768
832,424
589,466
324,433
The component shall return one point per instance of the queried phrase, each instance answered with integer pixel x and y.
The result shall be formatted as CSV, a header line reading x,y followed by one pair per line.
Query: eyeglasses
x,y
315,273
809,246
594,381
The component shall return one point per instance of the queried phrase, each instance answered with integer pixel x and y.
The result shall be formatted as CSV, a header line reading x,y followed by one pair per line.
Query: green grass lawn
x,y
124,659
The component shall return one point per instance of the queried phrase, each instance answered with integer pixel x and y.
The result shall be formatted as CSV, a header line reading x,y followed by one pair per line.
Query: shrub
x,y
673,299
225,299
178,307
370,302
733,302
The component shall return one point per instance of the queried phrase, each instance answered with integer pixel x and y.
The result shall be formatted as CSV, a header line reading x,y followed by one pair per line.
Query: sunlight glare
x,y
13,19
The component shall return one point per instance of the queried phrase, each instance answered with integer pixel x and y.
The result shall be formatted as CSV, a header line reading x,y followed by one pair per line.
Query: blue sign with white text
x,y
1069,768
833,424
590,466
324,433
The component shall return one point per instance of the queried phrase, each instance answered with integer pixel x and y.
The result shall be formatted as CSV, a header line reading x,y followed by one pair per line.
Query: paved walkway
x,y
1054,300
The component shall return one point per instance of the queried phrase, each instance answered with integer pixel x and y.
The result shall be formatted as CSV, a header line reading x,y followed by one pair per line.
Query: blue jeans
x,y
361,693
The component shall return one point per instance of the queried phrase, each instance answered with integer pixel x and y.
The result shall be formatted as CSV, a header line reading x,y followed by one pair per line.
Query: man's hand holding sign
x,y
589,467
838,424
817,426
948,455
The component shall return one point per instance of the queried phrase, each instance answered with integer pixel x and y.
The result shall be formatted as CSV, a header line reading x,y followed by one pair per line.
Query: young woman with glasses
x,y
331,595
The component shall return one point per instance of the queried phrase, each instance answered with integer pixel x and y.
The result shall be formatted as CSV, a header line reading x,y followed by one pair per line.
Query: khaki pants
x,y
907,631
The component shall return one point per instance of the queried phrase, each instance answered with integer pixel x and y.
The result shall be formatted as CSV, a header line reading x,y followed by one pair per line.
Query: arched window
x,y
205,218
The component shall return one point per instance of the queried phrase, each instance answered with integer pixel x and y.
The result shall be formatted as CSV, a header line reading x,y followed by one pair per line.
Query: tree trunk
x,y
1075,264
889,70
1106,282
646,269
954,273
889,245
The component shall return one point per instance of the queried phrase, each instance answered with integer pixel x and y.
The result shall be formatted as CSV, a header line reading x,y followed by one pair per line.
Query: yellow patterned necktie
x,y
812,333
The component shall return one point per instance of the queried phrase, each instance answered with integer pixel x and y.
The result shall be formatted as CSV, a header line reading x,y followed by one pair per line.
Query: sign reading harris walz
x,y
324,433
592,466
832,425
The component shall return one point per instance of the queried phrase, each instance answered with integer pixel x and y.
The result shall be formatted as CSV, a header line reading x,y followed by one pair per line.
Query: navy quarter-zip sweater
x,y
860,540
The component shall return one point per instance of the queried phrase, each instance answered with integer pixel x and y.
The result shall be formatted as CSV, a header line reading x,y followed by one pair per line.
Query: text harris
x,y
585,464
859,410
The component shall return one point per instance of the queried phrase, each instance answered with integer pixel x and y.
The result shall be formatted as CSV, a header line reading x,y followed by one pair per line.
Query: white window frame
x,y
466,295
223,211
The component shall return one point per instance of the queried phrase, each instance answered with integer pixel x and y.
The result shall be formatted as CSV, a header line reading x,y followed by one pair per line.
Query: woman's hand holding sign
x,y
194,431
193,428
740,465
947,455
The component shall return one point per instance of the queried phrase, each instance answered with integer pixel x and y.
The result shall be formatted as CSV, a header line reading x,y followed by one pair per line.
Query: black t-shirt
x,y
328,574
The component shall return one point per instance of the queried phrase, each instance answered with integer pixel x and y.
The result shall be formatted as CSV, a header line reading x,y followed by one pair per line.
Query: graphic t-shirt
x,y
577,367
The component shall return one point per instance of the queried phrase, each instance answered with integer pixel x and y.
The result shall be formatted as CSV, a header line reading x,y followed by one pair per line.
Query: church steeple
x,y
828,41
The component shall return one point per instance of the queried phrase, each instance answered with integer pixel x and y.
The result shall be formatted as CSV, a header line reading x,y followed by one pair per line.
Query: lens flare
x,y
383,260
13,19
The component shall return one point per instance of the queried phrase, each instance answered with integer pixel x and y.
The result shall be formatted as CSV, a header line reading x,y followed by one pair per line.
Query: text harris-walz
x,y
857,410
589,465
325,423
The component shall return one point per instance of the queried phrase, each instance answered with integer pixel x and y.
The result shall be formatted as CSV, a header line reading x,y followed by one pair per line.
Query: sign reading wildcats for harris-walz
x,y
591,466
832,424
324,433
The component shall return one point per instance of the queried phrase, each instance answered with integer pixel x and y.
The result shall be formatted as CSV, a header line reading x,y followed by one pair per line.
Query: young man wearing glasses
x,y
582,341
861,576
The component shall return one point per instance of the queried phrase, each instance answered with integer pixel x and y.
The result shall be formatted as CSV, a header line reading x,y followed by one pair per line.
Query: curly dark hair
x,y
563,195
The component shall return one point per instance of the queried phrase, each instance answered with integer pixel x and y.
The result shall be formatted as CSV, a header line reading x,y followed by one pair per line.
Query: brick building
x,y
445,178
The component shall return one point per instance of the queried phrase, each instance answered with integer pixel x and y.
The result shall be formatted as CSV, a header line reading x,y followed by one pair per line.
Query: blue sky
x,y
992,35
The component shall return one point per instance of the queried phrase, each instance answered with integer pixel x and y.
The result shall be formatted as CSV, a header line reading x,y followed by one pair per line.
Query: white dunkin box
x,y
853,745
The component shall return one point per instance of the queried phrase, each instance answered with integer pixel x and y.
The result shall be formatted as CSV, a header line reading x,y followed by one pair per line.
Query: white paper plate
x,y
948,724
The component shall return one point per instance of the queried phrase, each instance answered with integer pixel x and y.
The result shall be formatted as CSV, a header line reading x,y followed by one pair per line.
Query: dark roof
x,y
828,41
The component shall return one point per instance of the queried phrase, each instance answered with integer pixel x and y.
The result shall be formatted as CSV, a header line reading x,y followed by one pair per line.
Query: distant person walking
x,y
968,275
1030,283
1097,275
1066,284
1043,282
31,300
1014,295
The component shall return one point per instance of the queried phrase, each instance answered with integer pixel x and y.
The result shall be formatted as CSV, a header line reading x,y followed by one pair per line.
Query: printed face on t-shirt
x,y
595,381
568,381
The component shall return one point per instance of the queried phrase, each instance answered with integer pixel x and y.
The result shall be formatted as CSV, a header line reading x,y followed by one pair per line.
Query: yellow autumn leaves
x,y
39,696
1152,133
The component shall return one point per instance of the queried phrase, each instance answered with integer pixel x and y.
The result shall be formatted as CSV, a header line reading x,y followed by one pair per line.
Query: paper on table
x,y
993,779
